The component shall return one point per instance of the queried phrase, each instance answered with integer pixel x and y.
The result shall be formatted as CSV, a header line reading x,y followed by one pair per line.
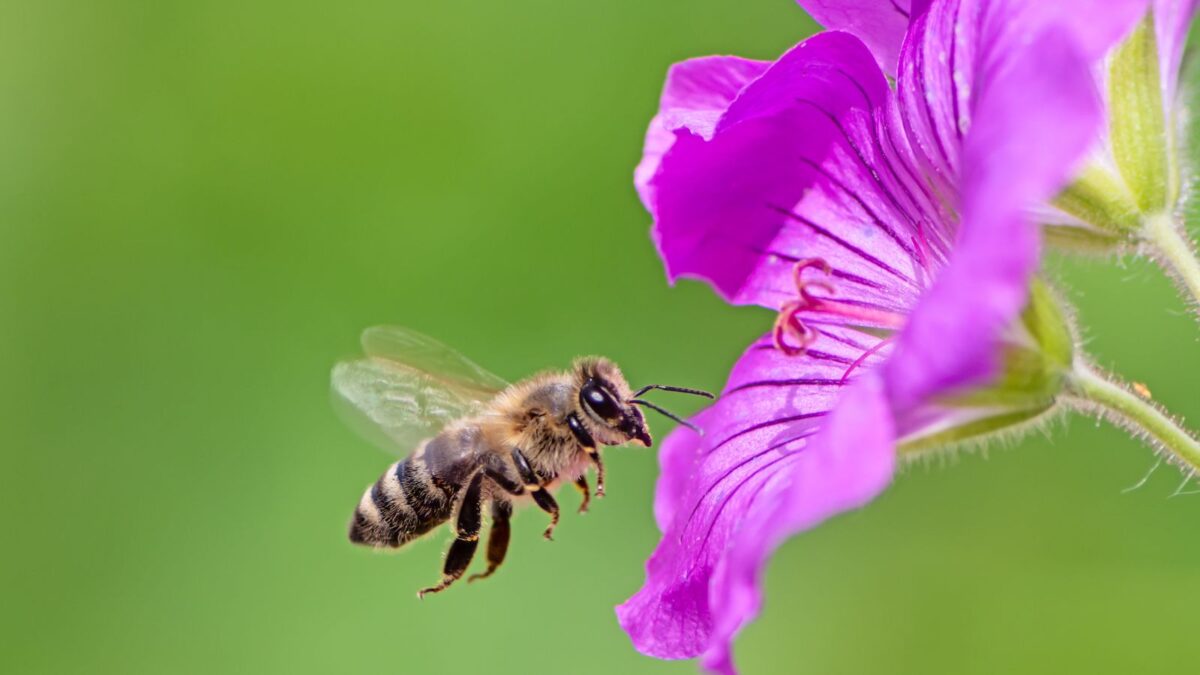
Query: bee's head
x,y
611,409
605,400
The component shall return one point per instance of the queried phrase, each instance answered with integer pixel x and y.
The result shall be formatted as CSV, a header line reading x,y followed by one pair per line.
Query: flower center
x,y
792,335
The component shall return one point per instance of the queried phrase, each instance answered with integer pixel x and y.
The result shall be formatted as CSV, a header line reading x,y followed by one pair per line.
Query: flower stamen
x,y
788,323
803,286
792,335
865,355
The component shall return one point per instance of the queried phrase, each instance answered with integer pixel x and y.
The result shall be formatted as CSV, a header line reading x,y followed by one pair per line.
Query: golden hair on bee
x,y
477,441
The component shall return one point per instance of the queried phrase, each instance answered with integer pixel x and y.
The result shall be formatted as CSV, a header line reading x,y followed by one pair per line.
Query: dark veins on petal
x,y
887,159
858,153
922,86
835,272
954,80
754,496
870,213
758,471
860,253
766,425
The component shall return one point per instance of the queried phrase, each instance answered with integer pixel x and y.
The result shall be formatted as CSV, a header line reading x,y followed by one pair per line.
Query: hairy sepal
x,y
1037,355
1137,128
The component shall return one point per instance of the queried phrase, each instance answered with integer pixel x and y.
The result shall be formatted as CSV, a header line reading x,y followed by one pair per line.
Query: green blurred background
x,y
203,203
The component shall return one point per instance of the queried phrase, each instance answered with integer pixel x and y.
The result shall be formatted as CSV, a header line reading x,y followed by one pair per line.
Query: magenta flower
x,y
889,230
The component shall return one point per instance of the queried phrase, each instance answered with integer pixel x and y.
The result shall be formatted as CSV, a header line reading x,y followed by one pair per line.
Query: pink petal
x,y
1172,20
878,23
1094,25
797,167
675,458
954,46
847,465
1015,155
696,93
756,443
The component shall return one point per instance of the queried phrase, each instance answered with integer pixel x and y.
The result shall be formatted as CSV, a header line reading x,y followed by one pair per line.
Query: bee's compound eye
x,y
600,401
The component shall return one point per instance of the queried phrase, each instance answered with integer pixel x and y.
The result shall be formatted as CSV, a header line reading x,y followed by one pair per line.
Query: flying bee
x,y
477,441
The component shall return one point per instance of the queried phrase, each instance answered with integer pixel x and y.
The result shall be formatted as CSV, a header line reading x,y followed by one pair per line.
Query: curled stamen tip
x,y
806,263
789,323
805,288
789,350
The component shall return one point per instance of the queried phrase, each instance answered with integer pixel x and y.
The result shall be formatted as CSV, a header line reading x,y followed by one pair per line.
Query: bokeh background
x,y
203,203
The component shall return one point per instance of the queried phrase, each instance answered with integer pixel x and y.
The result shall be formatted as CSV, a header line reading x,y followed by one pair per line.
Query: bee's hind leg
x,y
497,538
466,528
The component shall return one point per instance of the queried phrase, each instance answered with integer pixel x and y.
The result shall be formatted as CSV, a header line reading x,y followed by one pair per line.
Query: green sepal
x,y
977,430
1044,319
1101,200
1024,380
1038,352
1081,240
1137,128
1031,375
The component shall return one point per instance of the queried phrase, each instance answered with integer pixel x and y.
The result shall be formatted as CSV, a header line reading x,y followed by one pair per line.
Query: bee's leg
x,y
582,484
589,446
594,455
497,538
466,528
541,497
547,503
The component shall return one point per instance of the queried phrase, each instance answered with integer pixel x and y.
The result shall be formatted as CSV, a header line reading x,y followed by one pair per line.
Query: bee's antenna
x,y
667,387
667,413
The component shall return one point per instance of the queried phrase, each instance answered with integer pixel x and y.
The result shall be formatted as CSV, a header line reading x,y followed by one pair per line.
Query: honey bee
x,y
476,440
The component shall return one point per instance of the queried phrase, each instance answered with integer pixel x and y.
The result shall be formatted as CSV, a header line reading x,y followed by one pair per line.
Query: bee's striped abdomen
x,y
401,506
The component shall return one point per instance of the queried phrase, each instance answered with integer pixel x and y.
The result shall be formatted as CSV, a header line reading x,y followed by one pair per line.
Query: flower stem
x,y
1091,390
1175,253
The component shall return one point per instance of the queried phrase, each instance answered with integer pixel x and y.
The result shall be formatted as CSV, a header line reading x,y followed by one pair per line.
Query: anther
x,y
792,335
802,286
789,324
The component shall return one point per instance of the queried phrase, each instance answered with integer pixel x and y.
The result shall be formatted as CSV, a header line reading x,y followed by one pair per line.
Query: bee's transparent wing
x,y
408,387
